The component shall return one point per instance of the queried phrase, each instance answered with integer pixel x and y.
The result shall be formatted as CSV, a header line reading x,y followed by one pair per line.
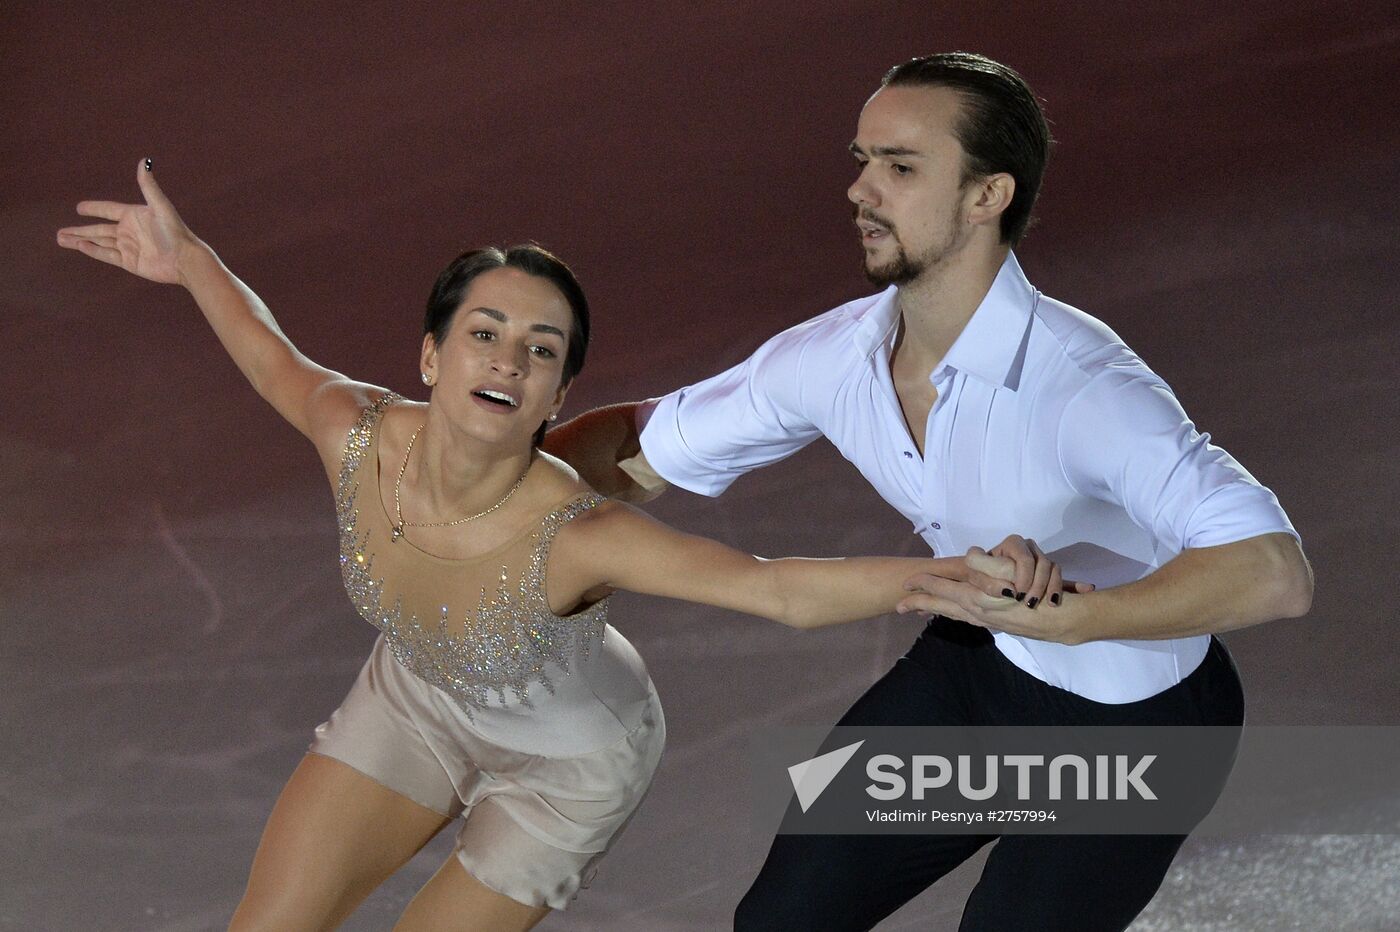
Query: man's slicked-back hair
x,y
1001,126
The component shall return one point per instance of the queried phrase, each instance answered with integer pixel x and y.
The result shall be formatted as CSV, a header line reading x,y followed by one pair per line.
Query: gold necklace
x,y
400,523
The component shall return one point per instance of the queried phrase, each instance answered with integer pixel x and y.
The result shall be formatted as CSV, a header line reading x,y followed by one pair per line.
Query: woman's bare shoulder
x,y
400,420
590,528
338,407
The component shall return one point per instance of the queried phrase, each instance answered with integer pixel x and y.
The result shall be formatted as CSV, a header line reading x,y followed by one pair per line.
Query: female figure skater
x,y
496,690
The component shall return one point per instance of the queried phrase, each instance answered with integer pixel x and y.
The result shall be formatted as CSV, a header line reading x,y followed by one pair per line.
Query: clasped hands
x,y
1014,588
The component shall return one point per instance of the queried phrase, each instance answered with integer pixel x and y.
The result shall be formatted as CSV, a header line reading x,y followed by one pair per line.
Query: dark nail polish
x,y
148,164
1008,593
1055,599
1020,596
1033,602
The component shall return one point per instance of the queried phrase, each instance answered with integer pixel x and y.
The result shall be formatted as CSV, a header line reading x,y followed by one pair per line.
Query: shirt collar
x,y
991,346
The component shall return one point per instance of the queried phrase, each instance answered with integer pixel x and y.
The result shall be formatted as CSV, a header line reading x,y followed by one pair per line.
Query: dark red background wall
x,y
1222,193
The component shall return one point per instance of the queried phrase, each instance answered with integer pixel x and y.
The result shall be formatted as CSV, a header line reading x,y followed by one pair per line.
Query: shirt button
x,y
908,455
936,526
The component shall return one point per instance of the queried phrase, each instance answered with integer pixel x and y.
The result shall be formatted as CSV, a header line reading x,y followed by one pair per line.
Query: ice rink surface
x,y
1223,193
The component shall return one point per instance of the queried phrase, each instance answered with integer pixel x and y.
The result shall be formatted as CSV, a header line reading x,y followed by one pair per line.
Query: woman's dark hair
x,y
1002,128
451,287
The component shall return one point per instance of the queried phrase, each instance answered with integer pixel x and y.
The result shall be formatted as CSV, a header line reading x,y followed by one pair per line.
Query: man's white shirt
x,y
1046,425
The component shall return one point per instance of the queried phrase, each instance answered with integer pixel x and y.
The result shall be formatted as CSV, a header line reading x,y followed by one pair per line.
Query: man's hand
x,y
595,442
1031,579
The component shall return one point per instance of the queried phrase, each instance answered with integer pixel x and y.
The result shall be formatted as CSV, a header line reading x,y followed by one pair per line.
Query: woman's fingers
x,y
1036,593
982,570
1054,591
107,210
102,253
71,242
995,586
979,561
1037,577
1014,548
145,239
150,189
95,231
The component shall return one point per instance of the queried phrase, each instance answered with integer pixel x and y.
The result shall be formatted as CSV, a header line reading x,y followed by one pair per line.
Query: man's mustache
x,y
871,217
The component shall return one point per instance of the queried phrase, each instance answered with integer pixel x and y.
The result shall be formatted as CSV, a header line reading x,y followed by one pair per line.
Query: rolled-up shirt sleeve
x,y
705,436
1124,438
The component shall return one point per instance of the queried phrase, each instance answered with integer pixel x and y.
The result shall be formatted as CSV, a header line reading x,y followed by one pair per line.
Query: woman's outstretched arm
x,y
150,240
620,547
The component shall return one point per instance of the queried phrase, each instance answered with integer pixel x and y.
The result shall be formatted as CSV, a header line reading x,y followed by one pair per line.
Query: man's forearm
x,y
595,442
1206,590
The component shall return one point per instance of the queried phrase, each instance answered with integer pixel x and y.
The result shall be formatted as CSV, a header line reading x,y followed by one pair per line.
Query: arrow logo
x,y
811,777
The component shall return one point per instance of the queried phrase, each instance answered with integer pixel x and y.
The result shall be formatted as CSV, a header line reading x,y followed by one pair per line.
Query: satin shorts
x,y
534,826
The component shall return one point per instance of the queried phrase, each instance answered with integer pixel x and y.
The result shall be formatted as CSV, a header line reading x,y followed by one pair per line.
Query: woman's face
x,y
498,371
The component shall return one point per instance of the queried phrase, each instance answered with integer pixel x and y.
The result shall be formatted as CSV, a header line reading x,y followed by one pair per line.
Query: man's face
x,y
909,196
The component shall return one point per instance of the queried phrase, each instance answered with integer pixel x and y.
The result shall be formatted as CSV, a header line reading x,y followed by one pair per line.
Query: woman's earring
x,y
427,379
554,417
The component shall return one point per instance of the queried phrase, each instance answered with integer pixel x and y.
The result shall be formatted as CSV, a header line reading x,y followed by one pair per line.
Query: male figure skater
x,y
977,406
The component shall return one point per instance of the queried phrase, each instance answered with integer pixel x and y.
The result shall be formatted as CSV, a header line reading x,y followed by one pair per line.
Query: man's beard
x,y
901,270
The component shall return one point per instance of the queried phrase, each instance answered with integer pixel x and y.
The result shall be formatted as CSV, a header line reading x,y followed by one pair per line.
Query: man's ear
x,y
989,198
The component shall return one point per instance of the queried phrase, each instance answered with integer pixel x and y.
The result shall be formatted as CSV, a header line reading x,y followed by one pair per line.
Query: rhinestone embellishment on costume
x,y
509,641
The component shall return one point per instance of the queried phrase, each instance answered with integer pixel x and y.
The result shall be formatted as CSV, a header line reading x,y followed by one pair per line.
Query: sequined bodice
x,y
481,629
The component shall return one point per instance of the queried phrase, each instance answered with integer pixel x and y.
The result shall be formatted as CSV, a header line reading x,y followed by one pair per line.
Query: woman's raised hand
x,y
144,239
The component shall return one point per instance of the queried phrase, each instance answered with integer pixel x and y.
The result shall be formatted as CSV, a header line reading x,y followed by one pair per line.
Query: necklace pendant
x,y
395,534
